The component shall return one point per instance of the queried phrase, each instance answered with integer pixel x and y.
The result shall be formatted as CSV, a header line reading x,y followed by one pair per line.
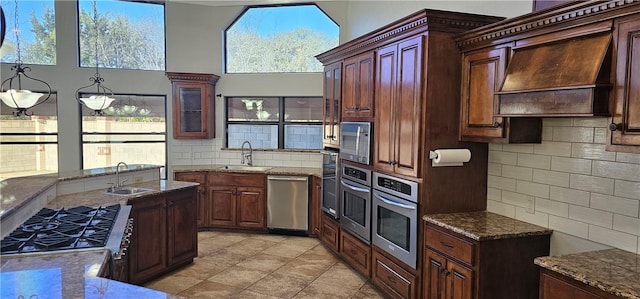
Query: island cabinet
x,y
625,125
237,200
357,88
193,105
332,83
203,204
164,234
482,75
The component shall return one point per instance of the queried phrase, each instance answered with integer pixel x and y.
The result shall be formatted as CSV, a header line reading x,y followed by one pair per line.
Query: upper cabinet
x,y
536,65
625,124
357,88
193,105
331,115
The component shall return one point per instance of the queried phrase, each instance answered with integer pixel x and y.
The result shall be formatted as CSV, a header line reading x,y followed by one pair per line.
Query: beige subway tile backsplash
x,y
618,205
518,148
628,157
501,183
614,238
501,208
591,216
494,169
516,199
503,157
573,134
554,178
516,172
627,189
533,189
573,227
591,183
591,122
616,170
552,148
571,165
552,207
534,161
591,151
537,218
626,224
576,197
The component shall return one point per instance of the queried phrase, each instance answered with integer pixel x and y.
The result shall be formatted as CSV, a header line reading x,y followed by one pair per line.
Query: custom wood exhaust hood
x,y
568,77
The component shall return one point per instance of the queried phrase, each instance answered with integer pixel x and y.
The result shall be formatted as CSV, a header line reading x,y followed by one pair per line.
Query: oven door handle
x,y
393,203
354,188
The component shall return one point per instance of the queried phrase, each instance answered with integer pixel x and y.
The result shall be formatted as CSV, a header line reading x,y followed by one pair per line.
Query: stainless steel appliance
x,y
330,176
288,204
395,217
77,228
355,141
355,195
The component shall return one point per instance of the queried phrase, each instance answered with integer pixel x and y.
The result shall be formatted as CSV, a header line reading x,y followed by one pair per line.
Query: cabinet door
x,y
356,253
332,93
459,281
250,207
203,207
329,233
626,111
434,282
482,75
148,249
316,201
222,201
182,226
384,150
357,88
193,105
407,104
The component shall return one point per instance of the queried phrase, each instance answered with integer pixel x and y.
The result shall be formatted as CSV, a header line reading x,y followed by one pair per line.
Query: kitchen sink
x,y
246,167
127,191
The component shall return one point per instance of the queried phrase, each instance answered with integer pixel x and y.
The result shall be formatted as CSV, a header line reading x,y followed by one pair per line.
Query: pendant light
x,y
12,94
103,96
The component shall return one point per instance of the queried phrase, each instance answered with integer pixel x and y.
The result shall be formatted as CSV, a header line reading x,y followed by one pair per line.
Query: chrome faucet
x,y
248,157
120,184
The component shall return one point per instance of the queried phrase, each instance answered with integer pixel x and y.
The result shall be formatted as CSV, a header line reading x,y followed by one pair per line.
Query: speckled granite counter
x,y
65,275
614,271
275,170
485,225
101,198
16,192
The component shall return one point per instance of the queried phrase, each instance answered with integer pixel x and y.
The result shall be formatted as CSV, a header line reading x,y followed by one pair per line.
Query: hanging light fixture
x,y
104,96
12,94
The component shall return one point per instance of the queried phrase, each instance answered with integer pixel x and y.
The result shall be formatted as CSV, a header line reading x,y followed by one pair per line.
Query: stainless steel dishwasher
x,y
288,204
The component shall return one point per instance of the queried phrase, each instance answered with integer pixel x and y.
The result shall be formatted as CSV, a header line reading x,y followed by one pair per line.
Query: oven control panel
x,y
402,188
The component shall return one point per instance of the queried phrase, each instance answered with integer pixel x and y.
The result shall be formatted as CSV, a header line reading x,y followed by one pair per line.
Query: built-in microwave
x,y
355,141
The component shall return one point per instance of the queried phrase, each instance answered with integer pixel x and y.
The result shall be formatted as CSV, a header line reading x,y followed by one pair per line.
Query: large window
x,y
274,122
130,35
133,130
279,39
37,31
29,144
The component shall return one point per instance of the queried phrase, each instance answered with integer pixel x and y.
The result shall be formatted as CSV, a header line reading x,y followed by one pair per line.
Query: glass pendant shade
x,y
20,99
97,103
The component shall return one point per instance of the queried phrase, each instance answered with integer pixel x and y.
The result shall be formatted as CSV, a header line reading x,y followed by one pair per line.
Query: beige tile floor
x,y
248,265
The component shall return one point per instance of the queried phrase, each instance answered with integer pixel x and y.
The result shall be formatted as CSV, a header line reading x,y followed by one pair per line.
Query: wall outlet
x,y
531,207
137,179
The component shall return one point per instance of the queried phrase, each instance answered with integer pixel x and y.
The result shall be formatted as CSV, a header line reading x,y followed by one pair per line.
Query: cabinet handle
x,y
445,244
392,279
614,127
496,124
445,271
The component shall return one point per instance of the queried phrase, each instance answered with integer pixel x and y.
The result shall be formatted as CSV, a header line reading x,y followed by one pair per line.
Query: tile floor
x,y
248,265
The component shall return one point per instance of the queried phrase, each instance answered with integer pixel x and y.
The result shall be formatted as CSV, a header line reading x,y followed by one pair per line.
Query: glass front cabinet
x,y
193,105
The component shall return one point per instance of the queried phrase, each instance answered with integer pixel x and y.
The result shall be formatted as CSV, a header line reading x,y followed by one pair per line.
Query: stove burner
x,y
53,241
97,238
75,218
80,210
38,227
10,245
69,228
20,235
46,212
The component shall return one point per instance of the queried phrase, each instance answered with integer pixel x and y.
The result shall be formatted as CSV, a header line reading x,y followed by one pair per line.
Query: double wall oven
x,y
355,194
395,217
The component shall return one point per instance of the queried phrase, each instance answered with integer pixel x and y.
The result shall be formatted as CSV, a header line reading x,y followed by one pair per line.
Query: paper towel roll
x,y
451,157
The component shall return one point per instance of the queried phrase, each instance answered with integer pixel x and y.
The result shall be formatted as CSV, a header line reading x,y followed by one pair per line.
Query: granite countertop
x,y
614,271
71,274
274,170
485,225
15,192
101,198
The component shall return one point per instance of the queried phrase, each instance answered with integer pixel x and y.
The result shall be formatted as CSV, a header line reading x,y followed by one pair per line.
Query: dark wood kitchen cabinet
x,y
356,253
394,277
164,235
456,266
316,202
557,286
330,232
398,94
193,105
203,200
331,96
357,88
625,125
237,200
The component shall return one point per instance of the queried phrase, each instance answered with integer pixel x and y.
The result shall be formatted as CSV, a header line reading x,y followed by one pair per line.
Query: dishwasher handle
x,y
286,178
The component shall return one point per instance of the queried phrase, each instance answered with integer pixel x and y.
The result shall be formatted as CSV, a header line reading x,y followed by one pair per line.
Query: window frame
x,y
281,123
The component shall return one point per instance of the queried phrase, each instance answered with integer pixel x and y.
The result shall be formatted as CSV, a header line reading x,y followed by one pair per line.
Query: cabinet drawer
x,y
394,280
356,253
450,245
552,287
237,179
329,233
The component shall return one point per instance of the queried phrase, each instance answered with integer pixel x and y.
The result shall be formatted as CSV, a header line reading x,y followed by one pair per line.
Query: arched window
x,y
279,39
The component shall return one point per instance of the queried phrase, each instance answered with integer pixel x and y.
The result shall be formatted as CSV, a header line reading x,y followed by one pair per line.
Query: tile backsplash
x,y
569,183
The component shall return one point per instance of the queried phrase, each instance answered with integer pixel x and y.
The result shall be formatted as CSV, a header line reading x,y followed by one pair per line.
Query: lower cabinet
x,y
356,253
458,267
556,286
203,205
395,280
315,212
330,232
164,234
237,200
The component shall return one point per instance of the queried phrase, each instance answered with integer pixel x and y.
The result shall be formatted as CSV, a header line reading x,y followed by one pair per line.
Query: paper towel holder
x,y
433,155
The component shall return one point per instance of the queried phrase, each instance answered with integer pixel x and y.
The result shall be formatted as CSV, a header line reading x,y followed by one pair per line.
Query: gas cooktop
x,y
62,229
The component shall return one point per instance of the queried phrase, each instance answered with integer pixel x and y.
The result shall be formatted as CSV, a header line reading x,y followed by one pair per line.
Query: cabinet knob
x,y
497,124
614,127
392,279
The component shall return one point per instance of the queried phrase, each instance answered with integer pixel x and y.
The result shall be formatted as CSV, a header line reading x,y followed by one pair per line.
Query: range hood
x,y
563,78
